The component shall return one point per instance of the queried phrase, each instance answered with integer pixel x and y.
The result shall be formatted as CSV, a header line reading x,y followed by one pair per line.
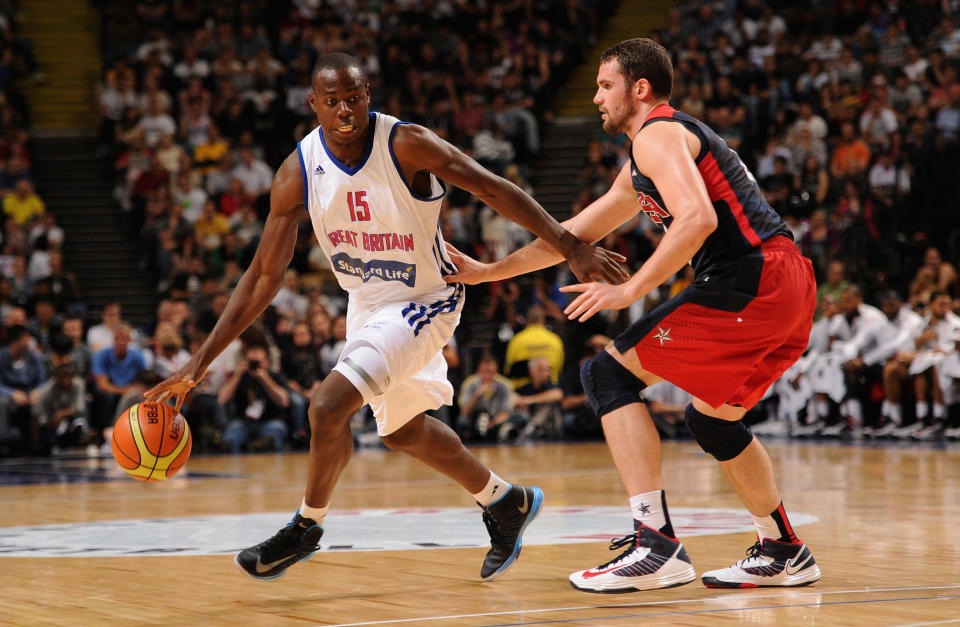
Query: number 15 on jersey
x,y
359,209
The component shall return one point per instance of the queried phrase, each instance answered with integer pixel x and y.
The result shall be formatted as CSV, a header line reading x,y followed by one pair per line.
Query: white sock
x,y
823,408
885,408
854,411
939,411
647,508
766,527
895,415
493,491
923,408
316,513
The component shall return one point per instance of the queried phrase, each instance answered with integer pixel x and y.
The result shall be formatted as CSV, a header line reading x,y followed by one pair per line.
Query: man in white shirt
x,y
854,333
255,174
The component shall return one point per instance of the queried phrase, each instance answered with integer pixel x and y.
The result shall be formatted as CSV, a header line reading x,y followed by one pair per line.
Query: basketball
x,y
151,441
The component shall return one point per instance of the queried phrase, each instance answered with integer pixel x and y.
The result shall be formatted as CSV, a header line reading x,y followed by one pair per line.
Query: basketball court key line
x,y
935,622
647,604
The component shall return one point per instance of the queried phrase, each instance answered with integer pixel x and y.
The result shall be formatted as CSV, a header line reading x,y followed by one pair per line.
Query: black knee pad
x,y
724,439
609,385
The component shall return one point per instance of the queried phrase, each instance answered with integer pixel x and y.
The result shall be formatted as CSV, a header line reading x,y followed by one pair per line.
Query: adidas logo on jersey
x,y
318,170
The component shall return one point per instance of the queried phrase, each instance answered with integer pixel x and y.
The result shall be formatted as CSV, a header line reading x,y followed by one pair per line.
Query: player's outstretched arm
x,y
663,153
423,150
599,218
257,286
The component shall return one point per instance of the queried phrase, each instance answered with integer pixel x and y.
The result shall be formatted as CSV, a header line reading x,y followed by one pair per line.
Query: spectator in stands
x,y
23,205
485,401
100,336
855,333
538,404
289,302
851,157
156,122
943,274
256,400
45,322
169,355
254,173
115,370
535,340
22,372
300,364
59,412
78,352
934,340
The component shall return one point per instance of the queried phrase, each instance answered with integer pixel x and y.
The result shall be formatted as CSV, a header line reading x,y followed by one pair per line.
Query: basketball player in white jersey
x,y
370,184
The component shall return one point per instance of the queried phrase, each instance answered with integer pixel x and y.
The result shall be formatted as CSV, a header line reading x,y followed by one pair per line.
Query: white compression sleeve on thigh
x,y
366,369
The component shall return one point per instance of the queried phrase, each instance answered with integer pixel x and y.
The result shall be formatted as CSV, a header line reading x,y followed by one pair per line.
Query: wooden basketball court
x,y
885,541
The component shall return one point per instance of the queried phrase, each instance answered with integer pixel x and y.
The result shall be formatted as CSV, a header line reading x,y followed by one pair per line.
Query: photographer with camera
x,y
256,402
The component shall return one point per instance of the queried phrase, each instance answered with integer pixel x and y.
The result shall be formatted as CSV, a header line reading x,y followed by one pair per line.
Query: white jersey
x,y
382,239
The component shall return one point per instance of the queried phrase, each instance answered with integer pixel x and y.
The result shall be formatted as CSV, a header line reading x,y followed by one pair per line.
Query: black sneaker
x,y
296,542
651,561
770,563
505,520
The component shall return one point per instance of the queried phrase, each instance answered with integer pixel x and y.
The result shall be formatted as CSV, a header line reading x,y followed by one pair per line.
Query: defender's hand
x,y
469,270
594,297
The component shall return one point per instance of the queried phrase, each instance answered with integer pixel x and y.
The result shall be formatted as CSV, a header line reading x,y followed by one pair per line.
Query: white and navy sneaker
x,y
506,521
652,561
769,563
296,542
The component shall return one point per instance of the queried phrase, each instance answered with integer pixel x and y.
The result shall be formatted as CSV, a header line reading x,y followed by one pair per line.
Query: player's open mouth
x,y
346,129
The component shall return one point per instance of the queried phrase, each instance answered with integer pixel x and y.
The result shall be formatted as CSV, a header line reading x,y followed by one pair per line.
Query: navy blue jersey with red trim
x,y
744,218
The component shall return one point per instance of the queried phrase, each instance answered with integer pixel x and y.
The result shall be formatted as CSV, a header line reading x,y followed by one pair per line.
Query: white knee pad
x,y
366,369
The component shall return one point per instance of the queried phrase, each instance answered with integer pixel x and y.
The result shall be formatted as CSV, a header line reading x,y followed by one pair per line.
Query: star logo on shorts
x,y
663,336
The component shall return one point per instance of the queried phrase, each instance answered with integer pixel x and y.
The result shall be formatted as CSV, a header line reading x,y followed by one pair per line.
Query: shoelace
x,y
292,533
616,543
752,553
493,527
280,540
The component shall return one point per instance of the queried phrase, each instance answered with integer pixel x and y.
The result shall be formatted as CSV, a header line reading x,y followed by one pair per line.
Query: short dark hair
x,y
337,61
643,58
935,294
16,332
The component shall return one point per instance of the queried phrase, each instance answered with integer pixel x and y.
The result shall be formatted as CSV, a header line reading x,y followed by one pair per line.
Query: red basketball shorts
x,y
735,330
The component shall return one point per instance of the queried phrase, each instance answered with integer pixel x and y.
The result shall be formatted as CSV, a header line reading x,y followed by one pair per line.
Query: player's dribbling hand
x,y
177,385
469,270
594,297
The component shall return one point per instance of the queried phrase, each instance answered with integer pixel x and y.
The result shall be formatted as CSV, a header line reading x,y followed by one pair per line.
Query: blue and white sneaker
x,y
506,520
296,542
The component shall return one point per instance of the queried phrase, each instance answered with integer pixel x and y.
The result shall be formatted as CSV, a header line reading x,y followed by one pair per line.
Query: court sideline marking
x,y
675,602
725,609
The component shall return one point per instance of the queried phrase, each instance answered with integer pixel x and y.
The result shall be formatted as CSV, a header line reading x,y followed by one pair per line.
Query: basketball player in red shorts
x,y
725,339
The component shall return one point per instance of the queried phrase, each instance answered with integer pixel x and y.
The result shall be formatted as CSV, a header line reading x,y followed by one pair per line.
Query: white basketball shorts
x,y
407,339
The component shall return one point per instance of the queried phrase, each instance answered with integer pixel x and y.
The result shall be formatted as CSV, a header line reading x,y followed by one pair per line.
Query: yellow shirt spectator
x,y
23,204
535,340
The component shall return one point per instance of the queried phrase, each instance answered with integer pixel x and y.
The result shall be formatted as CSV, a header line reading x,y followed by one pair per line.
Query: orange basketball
x,y
151,441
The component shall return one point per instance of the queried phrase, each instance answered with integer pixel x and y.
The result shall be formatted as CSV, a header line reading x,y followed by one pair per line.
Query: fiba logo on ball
x,y
151,441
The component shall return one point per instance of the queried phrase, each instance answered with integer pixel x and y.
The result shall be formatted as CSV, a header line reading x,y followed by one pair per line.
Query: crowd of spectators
x,y
847,114
36,291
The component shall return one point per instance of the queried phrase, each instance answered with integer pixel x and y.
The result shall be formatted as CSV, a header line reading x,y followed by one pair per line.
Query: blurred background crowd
x,y
847,113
